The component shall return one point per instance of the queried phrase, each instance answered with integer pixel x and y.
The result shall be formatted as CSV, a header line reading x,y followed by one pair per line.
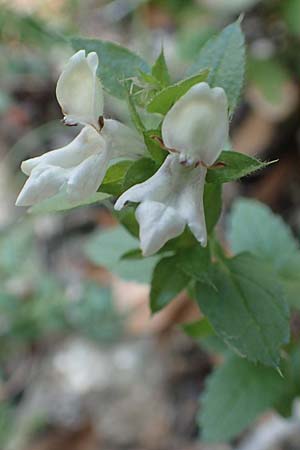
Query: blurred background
x,y
83,366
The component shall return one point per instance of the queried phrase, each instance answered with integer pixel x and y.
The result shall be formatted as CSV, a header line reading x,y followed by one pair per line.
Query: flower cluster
x,y
79,168
194,132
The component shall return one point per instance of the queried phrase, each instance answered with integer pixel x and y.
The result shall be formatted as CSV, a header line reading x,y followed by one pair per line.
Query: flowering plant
x,y
166,185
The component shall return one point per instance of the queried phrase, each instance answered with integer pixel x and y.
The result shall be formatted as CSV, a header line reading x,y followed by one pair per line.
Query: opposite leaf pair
x,y
194,132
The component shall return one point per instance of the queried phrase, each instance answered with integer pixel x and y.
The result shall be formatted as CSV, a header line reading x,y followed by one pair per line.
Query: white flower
x,y
171,199
79,91
78,168
197,125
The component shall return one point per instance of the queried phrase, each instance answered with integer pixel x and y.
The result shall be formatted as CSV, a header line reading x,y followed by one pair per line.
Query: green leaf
x,y
155,150
133,254
291,14
114,178
127,218
116,63
160,70
236,393
291,370
255,228
167,282
139,172
247,308
105,248
165,99
60,202
212,201
137,121
195,262
224,56
232,166
199,329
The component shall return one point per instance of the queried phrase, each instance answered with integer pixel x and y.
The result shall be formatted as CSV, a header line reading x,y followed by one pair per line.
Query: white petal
x,y
85,179
87,143
158,223
44,182
122,141
190,205
155,188
79,91
197,125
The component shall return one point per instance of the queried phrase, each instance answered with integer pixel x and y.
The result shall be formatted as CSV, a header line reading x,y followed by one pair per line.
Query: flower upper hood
x,y
79,91
197,125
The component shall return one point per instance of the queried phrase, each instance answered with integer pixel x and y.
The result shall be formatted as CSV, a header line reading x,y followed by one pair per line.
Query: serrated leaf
x,y
167,282
232,166
165,99
116,63
139,172
160,70
246,308
236,393
105,248
60,202
255,228
114,178
224,56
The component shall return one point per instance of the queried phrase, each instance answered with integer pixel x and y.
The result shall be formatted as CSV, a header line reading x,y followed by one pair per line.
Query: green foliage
x,y
199,329
114,178
135,117
117,63
194,262
155,150
232,166
291,14
212,201
168,280
224,56
105,248
160,70
165,99
291,389
255,228
246,307
140,171
235,394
